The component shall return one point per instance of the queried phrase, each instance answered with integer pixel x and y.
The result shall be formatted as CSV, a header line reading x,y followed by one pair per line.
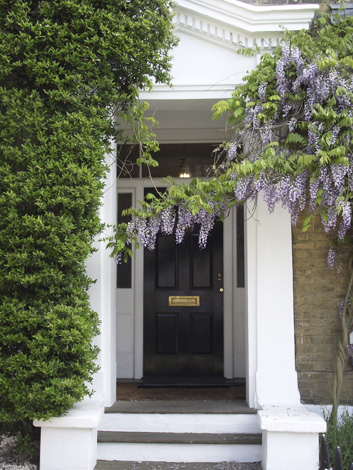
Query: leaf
x,y
293,137
219,109
307,222
275,98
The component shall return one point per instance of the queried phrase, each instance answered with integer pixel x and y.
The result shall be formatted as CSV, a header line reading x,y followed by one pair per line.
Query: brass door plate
x,y
184,301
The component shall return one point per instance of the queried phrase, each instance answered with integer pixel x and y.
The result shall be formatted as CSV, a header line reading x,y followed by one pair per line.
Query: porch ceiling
x,y
187,121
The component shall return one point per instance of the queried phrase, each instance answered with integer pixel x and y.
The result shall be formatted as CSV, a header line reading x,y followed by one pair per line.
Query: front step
x,y
177,438
176,447
179,432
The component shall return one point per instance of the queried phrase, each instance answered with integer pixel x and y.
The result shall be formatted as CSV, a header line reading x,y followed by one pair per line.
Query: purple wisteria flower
x,y
118,258
168,217
331,257
313,189
232,151
244,188
262,91
346,220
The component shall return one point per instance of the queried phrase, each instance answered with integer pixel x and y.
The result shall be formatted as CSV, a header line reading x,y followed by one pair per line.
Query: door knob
x,y
221,289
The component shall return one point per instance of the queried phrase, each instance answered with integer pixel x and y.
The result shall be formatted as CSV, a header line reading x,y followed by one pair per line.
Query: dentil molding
x,y
232,22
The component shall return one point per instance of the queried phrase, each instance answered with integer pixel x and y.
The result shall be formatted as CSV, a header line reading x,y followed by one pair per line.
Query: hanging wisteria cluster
x,y
177,220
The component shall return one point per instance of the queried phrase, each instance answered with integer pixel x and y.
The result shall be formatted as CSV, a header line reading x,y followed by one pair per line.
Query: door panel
x,y
184,341
166,333
201,265
166,262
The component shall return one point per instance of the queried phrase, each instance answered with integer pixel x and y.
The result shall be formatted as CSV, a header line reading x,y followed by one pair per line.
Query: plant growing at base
x,y
340,435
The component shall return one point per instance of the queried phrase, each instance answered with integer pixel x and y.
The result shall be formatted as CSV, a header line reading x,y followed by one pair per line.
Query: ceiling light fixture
x,y
184,172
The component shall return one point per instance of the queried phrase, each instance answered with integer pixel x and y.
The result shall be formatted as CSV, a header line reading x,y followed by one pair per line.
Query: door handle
x,y
221,289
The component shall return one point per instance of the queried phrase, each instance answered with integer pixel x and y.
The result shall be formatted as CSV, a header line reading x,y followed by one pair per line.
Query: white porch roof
x,y
206,64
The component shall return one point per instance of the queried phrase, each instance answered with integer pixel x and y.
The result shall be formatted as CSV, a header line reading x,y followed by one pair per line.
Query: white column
x,y
290,431
270,307
102,268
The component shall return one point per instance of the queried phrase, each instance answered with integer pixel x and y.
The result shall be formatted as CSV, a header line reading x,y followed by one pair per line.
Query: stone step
x,y
167,431
115,465
178,438
179,448
182,407
180,423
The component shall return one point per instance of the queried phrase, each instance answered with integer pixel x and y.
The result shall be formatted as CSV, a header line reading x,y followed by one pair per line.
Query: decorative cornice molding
x,y
230,22
253,18
190,92
226,36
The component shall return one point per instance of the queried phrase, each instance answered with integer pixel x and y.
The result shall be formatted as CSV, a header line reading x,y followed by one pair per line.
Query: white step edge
x,y
179,452
194,423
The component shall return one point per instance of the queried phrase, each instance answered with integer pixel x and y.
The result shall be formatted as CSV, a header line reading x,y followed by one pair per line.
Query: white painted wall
x,y
210,64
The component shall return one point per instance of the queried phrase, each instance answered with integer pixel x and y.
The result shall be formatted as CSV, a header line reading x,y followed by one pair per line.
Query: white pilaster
x,y
70,441
270,307
290,431
290,438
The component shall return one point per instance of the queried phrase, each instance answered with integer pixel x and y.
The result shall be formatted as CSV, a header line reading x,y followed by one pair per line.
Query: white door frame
x,y
234,298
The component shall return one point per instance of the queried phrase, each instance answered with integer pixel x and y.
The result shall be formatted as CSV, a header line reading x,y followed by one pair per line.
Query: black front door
x,y
183,307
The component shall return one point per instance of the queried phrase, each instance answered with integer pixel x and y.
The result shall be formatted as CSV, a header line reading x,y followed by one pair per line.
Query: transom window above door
x,y
176,160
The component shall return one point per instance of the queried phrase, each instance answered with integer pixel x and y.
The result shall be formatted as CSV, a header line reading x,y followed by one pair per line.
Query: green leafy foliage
x,y
340,435
67,68
292,126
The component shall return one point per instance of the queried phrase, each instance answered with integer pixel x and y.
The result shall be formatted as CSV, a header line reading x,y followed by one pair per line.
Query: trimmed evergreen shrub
x,y
66,68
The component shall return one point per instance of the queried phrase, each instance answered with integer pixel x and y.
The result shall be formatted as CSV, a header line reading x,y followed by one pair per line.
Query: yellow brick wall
x,y
317,295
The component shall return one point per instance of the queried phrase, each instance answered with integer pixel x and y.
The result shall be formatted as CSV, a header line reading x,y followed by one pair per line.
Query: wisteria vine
x,y
293,127
292,141
292,124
